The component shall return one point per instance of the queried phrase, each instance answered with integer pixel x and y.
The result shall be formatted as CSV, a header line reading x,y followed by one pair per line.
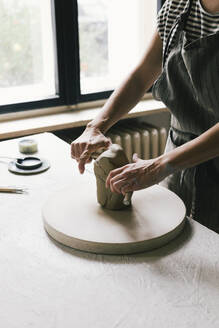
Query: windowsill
x,y
32,122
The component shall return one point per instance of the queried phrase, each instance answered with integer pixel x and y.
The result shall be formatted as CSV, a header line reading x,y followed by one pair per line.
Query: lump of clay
x,y
113,158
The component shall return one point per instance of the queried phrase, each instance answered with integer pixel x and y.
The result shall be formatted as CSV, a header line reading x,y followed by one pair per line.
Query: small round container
x,y
28,146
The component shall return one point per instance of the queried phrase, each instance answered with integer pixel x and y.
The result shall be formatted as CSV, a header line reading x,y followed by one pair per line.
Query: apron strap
x,y
186,14
181,20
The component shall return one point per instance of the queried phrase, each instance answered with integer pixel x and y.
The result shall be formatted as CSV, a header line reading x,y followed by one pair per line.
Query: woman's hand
x,y
138,175
91,141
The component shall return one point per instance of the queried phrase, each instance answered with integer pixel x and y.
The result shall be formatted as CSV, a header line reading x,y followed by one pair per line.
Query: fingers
x,y
127,188
76,150
84,156
82,148
81,152
127,172
122,186
135,176
122,181
116,184
104,144
76,153
99,142
83,159
81,166
112,174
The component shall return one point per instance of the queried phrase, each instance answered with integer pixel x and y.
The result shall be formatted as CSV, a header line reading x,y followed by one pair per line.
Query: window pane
x,y
112,36
27,53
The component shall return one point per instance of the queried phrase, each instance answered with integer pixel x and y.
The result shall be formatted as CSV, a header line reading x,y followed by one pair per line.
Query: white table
x,y
46,285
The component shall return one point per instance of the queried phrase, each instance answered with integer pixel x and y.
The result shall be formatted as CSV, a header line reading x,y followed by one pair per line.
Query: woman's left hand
x,y
138,175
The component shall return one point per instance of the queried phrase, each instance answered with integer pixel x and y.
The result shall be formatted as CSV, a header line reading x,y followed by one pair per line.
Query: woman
x,y
186,45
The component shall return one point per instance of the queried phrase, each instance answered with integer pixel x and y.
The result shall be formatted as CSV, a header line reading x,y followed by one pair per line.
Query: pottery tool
x,y
11,189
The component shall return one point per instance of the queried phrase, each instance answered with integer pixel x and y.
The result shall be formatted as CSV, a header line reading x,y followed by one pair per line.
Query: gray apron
x,y
189,87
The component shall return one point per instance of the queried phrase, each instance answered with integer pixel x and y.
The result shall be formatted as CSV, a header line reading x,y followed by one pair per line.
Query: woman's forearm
x,y
197,151
121,102
145,173
128,94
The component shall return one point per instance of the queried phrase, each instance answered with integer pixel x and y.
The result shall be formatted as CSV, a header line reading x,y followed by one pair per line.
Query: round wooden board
x,y
73,217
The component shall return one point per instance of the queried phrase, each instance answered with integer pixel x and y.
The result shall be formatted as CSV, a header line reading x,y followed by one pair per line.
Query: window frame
x,y
65,24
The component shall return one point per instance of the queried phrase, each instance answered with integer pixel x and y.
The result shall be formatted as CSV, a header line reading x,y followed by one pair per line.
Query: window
x,y
56,52
112,37
27,51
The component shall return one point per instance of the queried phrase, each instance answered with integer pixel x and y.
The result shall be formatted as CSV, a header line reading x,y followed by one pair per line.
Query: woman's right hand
x,y
91,141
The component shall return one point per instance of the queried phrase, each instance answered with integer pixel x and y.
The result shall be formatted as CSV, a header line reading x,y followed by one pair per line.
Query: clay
x,y
109,160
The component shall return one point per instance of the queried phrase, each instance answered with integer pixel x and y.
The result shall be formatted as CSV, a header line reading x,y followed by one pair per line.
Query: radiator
x,y
138,137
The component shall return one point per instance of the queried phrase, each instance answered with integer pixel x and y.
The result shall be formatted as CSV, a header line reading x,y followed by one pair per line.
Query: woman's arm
x,y
123,99
128,94
199,150
145,173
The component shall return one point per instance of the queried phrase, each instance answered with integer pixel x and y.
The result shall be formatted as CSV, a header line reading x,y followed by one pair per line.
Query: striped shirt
x,y
199,23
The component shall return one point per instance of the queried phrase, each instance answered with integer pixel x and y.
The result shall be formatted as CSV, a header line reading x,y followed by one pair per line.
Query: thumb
x,y
135,158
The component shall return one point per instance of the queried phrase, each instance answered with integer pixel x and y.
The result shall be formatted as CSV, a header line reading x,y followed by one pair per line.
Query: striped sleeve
x,y
161,18
199,23
168,15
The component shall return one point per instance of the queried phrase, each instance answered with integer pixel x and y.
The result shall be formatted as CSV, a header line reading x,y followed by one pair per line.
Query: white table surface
x,y
44,284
